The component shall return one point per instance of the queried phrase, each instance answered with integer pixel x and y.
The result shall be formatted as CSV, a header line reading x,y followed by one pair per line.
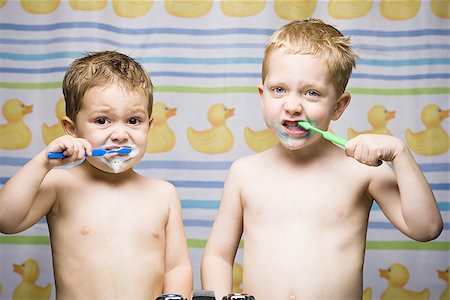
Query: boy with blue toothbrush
x,y
114,233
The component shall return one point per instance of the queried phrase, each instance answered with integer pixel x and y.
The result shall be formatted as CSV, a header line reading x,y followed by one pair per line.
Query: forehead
x,y
283,64
114,94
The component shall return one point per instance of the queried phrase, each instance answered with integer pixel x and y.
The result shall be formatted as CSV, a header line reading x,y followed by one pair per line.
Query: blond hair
x,y
102,69
314,37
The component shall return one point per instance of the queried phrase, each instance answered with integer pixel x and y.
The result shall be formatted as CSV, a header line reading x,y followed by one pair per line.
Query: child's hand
x,y
73,149
372,149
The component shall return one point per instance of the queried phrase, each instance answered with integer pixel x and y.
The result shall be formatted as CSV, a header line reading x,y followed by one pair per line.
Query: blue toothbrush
x,y
95,152
337,140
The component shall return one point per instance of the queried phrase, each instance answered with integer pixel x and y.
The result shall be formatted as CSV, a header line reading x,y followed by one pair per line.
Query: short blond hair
x,y
314,37
102,69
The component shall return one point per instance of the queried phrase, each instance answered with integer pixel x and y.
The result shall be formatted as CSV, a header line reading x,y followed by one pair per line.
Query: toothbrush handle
x,y
55,155
335,139
95,152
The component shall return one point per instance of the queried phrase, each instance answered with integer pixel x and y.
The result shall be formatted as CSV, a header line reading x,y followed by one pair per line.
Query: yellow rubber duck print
x,y
344,9
161,137
378,116
367,294
87,5
15,134
399,9
188,8
237,277
445,295
398,276
259,140
242,8
51,132
27,289
39,6
131,8
434,140
292,10
218,139
441,8
2,3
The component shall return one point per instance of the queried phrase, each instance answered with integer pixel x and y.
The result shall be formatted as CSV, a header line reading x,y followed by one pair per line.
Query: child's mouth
x,y
115,161
116,151
293,128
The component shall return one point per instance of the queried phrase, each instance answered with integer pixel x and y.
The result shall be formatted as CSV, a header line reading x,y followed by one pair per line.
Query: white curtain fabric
x,y
207,53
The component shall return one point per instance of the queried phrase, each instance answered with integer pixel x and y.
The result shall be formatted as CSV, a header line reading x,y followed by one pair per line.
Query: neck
x,y
308,153
96,174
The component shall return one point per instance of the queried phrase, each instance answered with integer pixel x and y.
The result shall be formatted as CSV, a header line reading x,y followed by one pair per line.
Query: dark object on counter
x,y
237,296
170,297
203,295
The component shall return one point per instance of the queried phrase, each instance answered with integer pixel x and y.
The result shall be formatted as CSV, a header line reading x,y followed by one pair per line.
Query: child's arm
x,y
178,277
404,195
223,242
26,197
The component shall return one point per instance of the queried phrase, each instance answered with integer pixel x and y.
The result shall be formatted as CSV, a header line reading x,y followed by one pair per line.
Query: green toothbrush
x,y
337,140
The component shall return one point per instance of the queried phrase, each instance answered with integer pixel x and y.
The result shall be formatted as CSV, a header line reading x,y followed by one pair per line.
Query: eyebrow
x,y
137,109
307,84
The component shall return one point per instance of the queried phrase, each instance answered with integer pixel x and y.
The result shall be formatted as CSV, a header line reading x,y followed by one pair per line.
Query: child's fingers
x,y
72,148
80,147
87,147
364,153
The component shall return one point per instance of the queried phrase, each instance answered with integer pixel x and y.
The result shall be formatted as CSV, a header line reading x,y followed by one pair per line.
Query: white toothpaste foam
x,y
115,162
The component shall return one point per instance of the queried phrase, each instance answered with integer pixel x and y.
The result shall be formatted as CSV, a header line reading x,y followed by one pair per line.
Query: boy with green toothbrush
x,y
302,207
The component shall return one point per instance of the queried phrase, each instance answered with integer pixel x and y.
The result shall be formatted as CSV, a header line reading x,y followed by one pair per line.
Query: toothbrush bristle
x,y
305,124
124,150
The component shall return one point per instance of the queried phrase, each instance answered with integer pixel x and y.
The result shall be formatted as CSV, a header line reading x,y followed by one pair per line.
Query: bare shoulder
x,y
153,182
58,178
250,162
158,187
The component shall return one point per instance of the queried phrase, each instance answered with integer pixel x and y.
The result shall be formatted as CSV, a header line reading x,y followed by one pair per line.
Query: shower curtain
x,y
203,55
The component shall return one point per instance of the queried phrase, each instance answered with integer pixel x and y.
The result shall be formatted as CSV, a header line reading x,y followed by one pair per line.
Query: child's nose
x,y
119,133
293,106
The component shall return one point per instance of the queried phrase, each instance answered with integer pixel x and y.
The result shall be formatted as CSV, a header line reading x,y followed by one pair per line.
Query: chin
x,y
292,145
117,165
290,142
111,167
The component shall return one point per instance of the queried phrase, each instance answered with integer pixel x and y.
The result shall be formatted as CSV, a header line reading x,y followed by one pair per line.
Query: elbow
x,y
434,229
8,228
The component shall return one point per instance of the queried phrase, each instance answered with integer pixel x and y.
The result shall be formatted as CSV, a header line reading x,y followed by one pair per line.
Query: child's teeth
x,y
292,125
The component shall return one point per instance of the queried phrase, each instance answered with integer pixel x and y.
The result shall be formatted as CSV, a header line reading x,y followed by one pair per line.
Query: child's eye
x,y
134,121
278,90
101,121
312,93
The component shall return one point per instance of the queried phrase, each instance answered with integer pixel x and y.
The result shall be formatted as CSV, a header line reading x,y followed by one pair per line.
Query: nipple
x,y
85,230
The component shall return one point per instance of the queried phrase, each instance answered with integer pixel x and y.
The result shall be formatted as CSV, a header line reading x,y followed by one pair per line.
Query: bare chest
x,y
304,199
109,215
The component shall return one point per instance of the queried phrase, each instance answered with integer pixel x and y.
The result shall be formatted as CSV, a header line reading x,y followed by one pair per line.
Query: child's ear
x,y
341,105
69,126
260,93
